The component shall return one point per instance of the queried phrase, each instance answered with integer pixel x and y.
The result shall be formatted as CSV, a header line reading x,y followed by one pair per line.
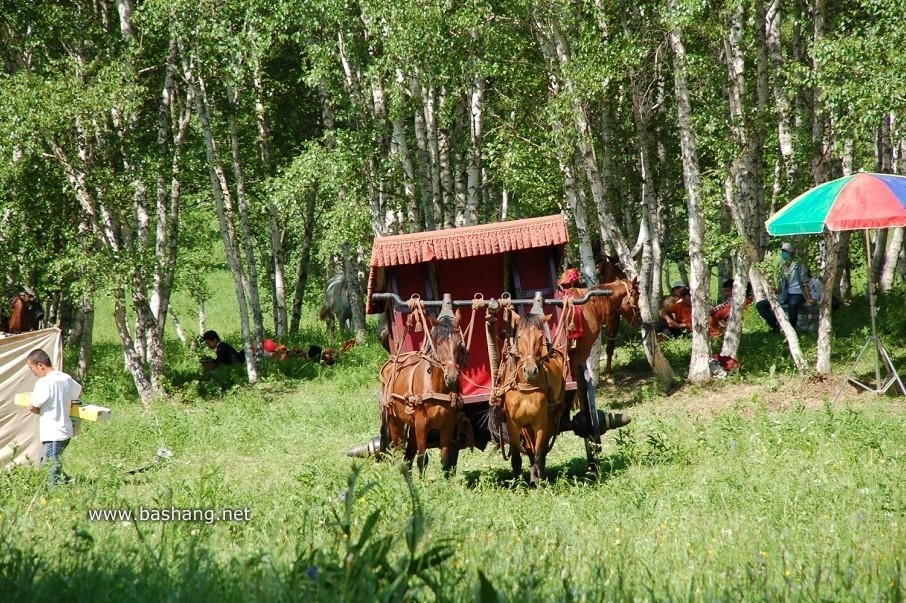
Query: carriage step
x,y
582,427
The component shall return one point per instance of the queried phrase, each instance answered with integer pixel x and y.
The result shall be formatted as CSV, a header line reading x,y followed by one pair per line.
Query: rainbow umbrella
x,y
858,202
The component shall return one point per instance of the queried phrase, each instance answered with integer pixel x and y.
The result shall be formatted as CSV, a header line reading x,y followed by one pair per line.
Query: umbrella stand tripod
x,y
880,351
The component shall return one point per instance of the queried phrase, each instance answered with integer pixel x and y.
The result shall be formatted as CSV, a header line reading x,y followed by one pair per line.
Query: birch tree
x,y
699,282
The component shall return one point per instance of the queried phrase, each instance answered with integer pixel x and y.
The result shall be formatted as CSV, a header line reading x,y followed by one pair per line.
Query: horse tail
x,y
496,421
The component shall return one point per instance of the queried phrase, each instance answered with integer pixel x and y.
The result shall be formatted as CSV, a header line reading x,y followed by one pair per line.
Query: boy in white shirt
x,y
52,399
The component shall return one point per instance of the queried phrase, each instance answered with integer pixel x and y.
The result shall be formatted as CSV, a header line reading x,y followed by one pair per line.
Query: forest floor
x,y
781,393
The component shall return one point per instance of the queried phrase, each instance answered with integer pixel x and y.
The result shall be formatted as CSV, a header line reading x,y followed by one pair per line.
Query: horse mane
x,y
446,328
531,320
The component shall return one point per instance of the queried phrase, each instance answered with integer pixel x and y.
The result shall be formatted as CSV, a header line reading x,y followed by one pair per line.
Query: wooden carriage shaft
x,y
400,304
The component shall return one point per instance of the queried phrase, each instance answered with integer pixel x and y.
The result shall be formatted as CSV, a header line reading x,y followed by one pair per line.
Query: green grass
x,y
744,500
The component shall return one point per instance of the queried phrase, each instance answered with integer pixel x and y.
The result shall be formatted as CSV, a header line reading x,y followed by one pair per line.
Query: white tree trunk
x,y
476,117
699,283
556,52
773,22
223,205
425,181
277,263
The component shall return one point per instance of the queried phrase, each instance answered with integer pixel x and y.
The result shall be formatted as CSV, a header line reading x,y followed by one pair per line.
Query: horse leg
x,y
515,455
398,436
420,426
539,458
449,449
450,459
613,323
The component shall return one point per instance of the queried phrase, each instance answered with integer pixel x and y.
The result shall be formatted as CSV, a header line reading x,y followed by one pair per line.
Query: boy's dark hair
x,y
210,336
39,356
728,284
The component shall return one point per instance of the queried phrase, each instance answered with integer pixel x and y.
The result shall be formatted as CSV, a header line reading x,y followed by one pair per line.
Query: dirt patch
x,y
636,391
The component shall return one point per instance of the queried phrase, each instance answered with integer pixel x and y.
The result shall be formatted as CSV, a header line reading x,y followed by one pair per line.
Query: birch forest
x,y
144,143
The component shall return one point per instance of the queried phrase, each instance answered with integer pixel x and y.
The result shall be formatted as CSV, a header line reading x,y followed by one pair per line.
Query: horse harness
x,y
512,383
401,360
410,399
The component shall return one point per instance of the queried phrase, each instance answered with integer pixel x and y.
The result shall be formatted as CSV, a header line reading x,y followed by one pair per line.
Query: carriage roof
x,y
398,252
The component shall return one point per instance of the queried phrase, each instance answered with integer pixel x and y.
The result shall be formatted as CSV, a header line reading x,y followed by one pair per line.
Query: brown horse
x,y
532,389
26,314
604,312
421,394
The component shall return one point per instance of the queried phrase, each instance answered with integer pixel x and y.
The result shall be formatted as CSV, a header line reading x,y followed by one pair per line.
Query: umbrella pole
x,y
871,308
878,347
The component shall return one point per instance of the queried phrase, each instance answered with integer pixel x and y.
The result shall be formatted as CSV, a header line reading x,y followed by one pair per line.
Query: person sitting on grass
x,y
676,312
720,314
793,291
225,354
274,350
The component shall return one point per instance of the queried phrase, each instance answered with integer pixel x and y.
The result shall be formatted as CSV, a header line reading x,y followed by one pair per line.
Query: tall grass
x,y
739,502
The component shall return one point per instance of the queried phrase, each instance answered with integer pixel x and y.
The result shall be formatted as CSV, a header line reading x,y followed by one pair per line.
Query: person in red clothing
x,y
569,281
719,314
676,312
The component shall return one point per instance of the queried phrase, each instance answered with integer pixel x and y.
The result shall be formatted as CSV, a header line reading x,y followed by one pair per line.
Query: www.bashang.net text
x,y
207,516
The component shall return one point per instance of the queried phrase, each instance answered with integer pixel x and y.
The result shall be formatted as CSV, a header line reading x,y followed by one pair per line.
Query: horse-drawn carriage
x,y
478,281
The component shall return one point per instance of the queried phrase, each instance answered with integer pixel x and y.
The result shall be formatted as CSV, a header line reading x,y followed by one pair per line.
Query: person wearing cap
x,y
793,289
274,350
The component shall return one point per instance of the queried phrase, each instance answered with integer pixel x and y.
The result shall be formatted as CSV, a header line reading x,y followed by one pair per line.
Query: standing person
x,y
224,352
52,399
567,285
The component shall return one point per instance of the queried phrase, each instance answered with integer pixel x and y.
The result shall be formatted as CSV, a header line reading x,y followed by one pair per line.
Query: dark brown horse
x,y
609,268
531,395
26,314
421,394
604,312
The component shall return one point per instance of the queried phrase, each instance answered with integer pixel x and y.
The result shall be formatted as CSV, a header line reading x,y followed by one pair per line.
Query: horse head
x,y
530,343
609,268
449,348
629,307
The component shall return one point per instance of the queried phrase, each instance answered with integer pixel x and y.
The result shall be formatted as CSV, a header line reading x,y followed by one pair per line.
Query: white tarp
x,y
19,441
